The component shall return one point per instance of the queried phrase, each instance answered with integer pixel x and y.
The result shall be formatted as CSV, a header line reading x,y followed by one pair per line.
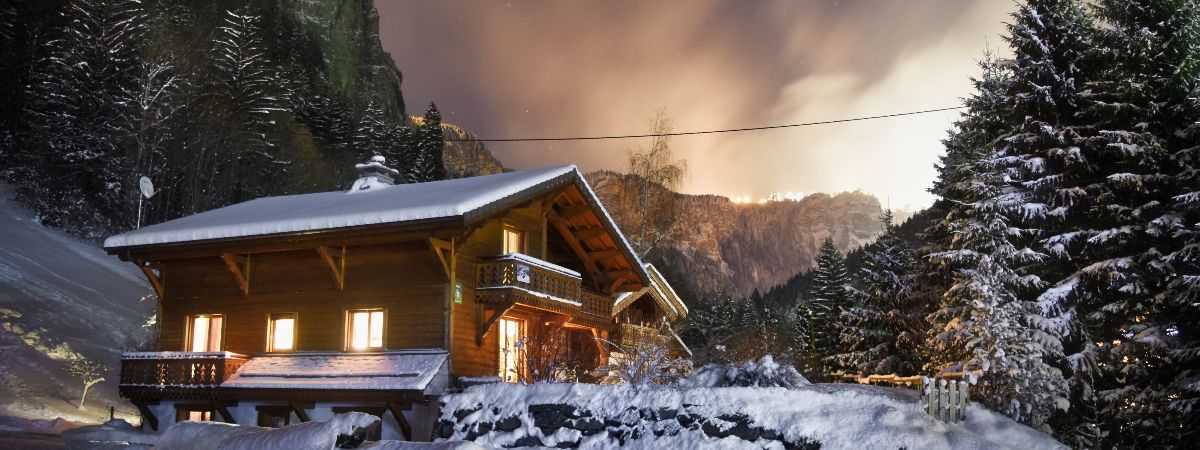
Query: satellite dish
x,y
146,186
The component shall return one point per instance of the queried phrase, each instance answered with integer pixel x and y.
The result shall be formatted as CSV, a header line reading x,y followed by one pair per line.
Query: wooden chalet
x,y
288,309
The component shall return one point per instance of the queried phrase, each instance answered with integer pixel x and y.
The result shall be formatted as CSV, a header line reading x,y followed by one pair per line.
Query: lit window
x,y
282,333
206,330
366,329
514,240
511,348
193,413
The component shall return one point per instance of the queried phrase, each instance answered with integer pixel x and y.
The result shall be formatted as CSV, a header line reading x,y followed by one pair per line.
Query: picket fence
x,y
945,400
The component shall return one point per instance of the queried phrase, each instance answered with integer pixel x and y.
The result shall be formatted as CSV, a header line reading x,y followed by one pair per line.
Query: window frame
x,y
189,331
271,318
348,345
522,236
183,411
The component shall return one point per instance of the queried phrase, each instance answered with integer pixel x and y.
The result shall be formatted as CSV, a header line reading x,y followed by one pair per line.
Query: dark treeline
x,y
1060,271
216,101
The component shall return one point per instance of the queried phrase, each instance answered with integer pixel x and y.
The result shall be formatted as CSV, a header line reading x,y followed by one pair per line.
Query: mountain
x,y
719,247
61,298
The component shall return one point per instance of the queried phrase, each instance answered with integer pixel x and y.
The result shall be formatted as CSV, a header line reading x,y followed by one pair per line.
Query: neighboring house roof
x,y
412,370
659,290
467,199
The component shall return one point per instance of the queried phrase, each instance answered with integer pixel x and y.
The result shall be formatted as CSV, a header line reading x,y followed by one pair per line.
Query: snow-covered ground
x,y
835,415
60,296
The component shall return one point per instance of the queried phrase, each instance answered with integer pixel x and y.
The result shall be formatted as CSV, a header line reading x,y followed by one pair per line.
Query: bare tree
x,y
547,356
647,200
89,371
643,360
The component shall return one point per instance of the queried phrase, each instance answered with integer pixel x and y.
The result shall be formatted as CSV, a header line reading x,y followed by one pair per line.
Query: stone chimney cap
x,y
374,175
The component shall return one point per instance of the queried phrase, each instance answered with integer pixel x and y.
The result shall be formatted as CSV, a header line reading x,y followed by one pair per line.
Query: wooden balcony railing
x,y
629,336
517,278
176,374
596,305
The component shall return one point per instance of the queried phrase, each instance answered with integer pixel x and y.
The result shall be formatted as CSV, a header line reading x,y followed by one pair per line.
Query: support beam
x,y
599,255
445,253
617,283
591,233
239,266
574,210
155,279
486,322
335,258
397,410
601,339
577,247
299,409
148,416
221,408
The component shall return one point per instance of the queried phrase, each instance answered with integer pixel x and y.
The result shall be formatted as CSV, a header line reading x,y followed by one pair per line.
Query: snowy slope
x,y
59,297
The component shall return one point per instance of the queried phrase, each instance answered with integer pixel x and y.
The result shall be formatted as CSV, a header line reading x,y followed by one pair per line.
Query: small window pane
x,y
514,240
377,329
283,332
206,333
200,334
360,330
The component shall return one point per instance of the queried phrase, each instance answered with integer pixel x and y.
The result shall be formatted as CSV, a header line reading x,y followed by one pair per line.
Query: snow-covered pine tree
x,y
248,86
882,332
1138,233
984,326
428,165
830,295
80,100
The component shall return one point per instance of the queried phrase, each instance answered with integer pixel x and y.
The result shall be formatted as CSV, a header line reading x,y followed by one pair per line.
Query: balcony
x,y
631,336
178,375
515,278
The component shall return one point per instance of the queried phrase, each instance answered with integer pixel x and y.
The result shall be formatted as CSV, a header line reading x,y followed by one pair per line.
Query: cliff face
x,y
463,155
717,246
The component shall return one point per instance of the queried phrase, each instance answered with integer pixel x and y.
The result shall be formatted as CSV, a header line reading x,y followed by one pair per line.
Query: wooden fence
x,y
945,397
945,400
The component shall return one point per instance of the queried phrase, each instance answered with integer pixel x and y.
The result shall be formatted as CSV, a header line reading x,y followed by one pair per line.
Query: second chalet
x,y
380,299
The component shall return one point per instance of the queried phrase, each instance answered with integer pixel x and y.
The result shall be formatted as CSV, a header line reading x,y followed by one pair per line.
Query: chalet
x,y
381,298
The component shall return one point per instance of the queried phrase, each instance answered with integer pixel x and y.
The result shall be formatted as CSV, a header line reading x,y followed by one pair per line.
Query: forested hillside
x,y
217,102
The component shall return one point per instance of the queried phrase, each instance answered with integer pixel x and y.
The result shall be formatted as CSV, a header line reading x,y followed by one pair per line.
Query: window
x,y
281,332
274,416
514,240
364,329
195,413
204,332
512,352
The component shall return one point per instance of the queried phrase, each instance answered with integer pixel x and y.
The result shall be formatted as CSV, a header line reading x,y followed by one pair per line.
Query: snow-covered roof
x,y
332,210
405,370
659,289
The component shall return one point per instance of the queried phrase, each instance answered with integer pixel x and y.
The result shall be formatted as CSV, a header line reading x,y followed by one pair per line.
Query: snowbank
x,y
342,431
40,426
805,416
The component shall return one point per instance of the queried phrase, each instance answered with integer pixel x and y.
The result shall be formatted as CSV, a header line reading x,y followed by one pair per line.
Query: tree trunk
x,y
87,385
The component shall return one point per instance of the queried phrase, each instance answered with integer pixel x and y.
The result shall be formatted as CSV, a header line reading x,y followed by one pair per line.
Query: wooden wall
x,y
405,278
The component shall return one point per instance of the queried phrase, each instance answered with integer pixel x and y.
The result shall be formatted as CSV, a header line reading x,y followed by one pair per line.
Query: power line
x,y
693,133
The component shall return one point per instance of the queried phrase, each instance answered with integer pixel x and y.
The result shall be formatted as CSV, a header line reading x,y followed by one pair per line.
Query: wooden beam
x,y
485,322
221,409
577,247
239,266
612,289
601,339
147,415
445,253
591,233
398,412
154,278
336,260
574,210
299,408
598,255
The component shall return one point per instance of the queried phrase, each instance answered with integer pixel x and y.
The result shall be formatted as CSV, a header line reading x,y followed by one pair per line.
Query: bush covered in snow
x,y
762,373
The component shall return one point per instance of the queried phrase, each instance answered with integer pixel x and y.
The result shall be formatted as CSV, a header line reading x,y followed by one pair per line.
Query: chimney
x,y
373,175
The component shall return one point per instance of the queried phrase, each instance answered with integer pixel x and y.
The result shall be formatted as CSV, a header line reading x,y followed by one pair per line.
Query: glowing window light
x,y
206,333
511,350
283,332
366,330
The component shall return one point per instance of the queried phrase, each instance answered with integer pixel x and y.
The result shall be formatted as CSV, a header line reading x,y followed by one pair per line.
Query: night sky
x,y
564,68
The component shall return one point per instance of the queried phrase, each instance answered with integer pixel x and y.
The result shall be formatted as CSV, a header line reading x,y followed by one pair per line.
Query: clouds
x,y
570,68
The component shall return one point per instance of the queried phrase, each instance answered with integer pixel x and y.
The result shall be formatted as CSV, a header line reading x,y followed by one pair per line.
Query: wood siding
x,y
406,279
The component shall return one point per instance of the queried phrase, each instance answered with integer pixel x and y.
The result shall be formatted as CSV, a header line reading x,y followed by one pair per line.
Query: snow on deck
x,y
330,210
408,370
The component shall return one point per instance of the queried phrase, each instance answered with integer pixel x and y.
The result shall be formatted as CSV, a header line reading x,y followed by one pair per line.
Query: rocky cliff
x,y
717,246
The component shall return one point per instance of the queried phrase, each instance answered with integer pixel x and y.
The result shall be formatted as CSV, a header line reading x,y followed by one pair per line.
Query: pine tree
x,y
80,102
247,86
883,331
427,164
830,296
